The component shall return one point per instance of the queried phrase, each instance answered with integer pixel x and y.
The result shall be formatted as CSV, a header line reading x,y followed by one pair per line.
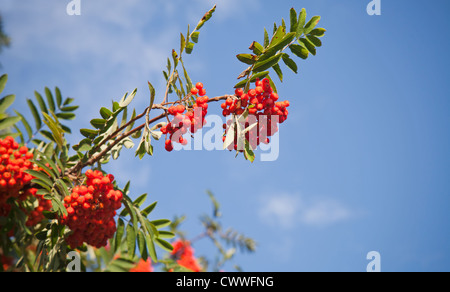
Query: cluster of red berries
x,y
183,253
14,181
91,209
189,117
142,267
263,108
14,161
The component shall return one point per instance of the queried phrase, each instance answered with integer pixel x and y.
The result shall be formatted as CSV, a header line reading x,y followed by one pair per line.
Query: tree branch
x,y
116,137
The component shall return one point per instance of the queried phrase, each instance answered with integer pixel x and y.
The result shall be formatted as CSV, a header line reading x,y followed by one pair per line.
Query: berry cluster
x,y
14,161
189,117
91,209
263,109
184,254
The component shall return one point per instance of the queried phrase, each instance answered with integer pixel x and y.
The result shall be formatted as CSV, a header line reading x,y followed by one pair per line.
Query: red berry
x,y
199,85
202,92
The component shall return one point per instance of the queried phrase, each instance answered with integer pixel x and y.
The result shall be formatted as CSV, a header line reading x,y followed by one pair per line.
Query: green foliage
x,y
59,167
301,38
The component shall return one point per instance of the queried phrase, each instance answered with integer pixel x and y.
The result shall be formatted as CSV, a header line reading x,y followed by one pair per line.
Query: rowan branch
x,y
116,137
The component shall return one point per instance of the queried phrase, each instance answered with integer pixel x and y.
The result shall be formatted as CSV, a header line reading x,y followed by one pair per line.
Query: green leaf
x,y
125,101
50,100
152,94
66,116
8,122
116,108
311,24
182,43
41,176
41,102
83,146
259,76
164,244
169,65
256,48
248,152
68,101
277,70
105,113
294,20
149,209
314,40
299,51
266,38
98,123
119,233
151,248
52,165
58,96
278,36
264,65
166,234
290,63
301,23
247,58
189,47
48,135
194,36
88,133
206,17
131,240
6,102
3,80
141,150
57,132
139,201
241,84
175,58
25,124
142,245
69,108
34,111
318,32
160,223
308,45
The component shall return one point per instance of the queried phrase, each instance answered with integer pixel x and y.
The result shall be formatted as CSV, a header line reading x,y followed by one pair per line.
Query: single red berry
x,y
169,146
199,85
239,92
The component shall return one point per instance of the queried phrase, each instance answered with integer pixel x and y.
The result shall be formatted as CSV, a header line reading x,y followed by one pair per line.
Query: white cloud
x,y
324,212
287,211
281,210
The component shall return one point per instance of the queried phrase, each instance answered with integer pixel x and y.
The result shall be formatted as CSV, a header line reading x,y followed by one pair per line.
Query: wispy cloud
x,y
281,210
287,211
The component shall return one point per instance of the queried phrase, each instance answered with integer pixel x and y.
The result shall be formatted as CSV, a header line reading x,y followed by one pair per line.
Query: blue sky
x,y
363,165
